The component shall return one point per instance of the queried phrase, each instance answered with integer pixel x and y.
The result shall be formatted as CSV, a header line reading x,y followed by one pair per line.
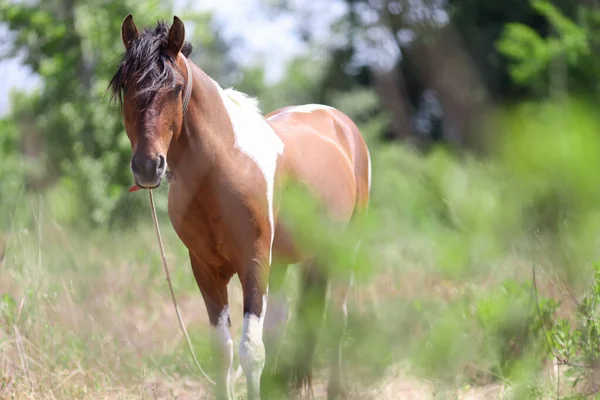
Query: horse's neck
x,y
206,134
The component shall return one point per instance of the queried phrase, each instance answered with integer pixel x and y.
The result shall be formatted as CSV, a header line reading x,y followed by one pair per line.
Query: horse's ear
x,y
176,36
129,31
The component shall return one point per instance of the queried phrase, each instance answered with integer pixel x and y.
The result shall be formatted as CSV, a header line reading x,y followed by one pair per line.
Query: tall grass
x,y
87,314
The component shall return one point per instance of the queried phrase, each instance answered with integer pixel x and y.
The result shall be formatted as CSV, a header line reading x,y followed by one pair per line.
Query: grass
x,y
88,315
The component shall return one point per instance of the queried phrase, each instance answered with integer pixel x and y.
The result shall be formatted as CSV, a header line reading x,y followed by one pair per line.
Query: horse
x,y
226,164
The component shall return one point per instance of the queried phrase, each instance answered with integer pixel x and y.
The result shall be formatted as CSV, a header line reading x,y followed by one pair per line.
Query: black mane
x,y
146,62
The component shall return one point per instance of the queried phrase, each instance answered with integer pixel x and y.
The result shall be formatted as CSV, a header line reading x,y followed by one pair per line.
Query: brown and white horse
x,y
228,163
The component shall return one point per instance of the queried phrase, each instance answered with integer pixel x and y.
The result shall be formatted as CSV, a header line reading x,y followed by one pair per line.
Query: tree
x,y
388,46
437,66
68,129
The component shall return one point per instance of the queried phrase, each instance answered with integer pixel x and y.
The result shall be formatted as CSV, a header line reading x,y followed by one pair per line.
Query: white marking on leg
x,y
222,345
255,138
252,349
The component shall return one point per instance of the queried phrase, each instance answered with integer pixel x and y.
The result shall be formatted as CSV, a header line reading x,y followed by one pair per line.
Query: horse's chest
x,y
218,232
207,237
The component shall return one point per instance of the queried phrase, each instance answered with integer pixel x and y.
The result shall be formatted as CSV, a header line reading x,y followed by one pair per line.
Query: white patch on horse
x,y
255,138
252,348
307,108
242,99
223,344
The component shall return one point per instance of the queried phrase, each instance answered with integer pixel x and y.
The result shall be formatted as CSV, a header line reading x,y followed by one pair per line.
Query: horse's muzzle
x,y
148,171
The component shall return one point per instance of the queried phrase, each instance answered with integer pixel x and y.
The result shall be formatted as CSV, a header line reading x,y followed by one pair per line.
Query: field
x,y
91,317
441,307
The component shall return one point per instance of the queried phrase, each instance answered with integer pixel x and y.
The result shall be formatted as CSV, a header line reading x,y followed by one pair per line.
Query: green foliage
x,y
550,150
8,308
492,336
83,146
532,54
69,116
478,226
12,168
576,341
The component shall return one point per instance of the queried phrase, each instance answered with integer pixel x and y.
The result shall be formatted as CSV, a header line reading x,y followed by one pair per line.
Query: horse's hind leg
x,y
309,320
337,321
277,315
273,383
337,324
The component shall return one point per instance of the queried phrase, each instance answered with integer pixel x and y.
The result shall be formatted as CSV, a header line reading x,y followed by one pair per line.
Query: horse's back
x,y
311,129
325,152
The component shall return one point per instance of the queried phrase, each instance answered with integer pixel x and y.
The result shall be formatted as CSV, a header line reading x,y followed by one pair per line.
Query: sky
x,y
12,75
264,37
268,38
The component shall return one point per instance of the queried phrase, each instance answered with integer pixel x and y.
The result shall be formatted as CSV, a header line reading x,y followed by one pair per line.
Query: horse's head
x,y
152,86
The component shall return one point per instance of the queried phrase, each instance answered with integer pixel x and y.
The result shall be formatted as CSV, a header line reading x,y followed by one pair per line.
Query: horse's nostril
x,y
161,163
134,165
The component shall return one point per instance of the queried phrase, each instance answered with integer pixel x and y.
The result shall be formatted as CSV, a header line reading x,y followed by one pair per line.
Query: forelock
x,y
146,64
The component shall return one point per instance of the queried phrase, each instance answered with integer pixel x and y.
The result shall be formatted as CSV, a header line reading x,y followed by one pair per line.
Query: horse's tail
x,y
311,312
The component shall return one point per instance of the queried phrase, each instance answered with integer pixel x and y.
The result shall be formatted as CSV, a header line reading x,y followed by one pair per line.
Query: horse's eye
x,y
178,88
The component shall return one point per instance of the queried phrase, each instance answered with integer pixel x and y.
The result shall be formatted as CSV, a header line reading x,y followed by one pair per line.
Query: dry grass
x,y
78,321
89,316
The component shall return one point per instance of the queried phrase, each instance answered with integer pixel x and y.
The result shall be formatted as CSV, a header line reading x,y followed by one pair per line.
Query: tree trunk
x,y
388,86
447,69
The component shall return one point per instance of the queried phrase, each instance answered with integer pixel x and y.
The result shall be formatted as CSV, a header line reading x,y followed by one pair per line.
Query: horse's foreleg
x,y
214,291
254,279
